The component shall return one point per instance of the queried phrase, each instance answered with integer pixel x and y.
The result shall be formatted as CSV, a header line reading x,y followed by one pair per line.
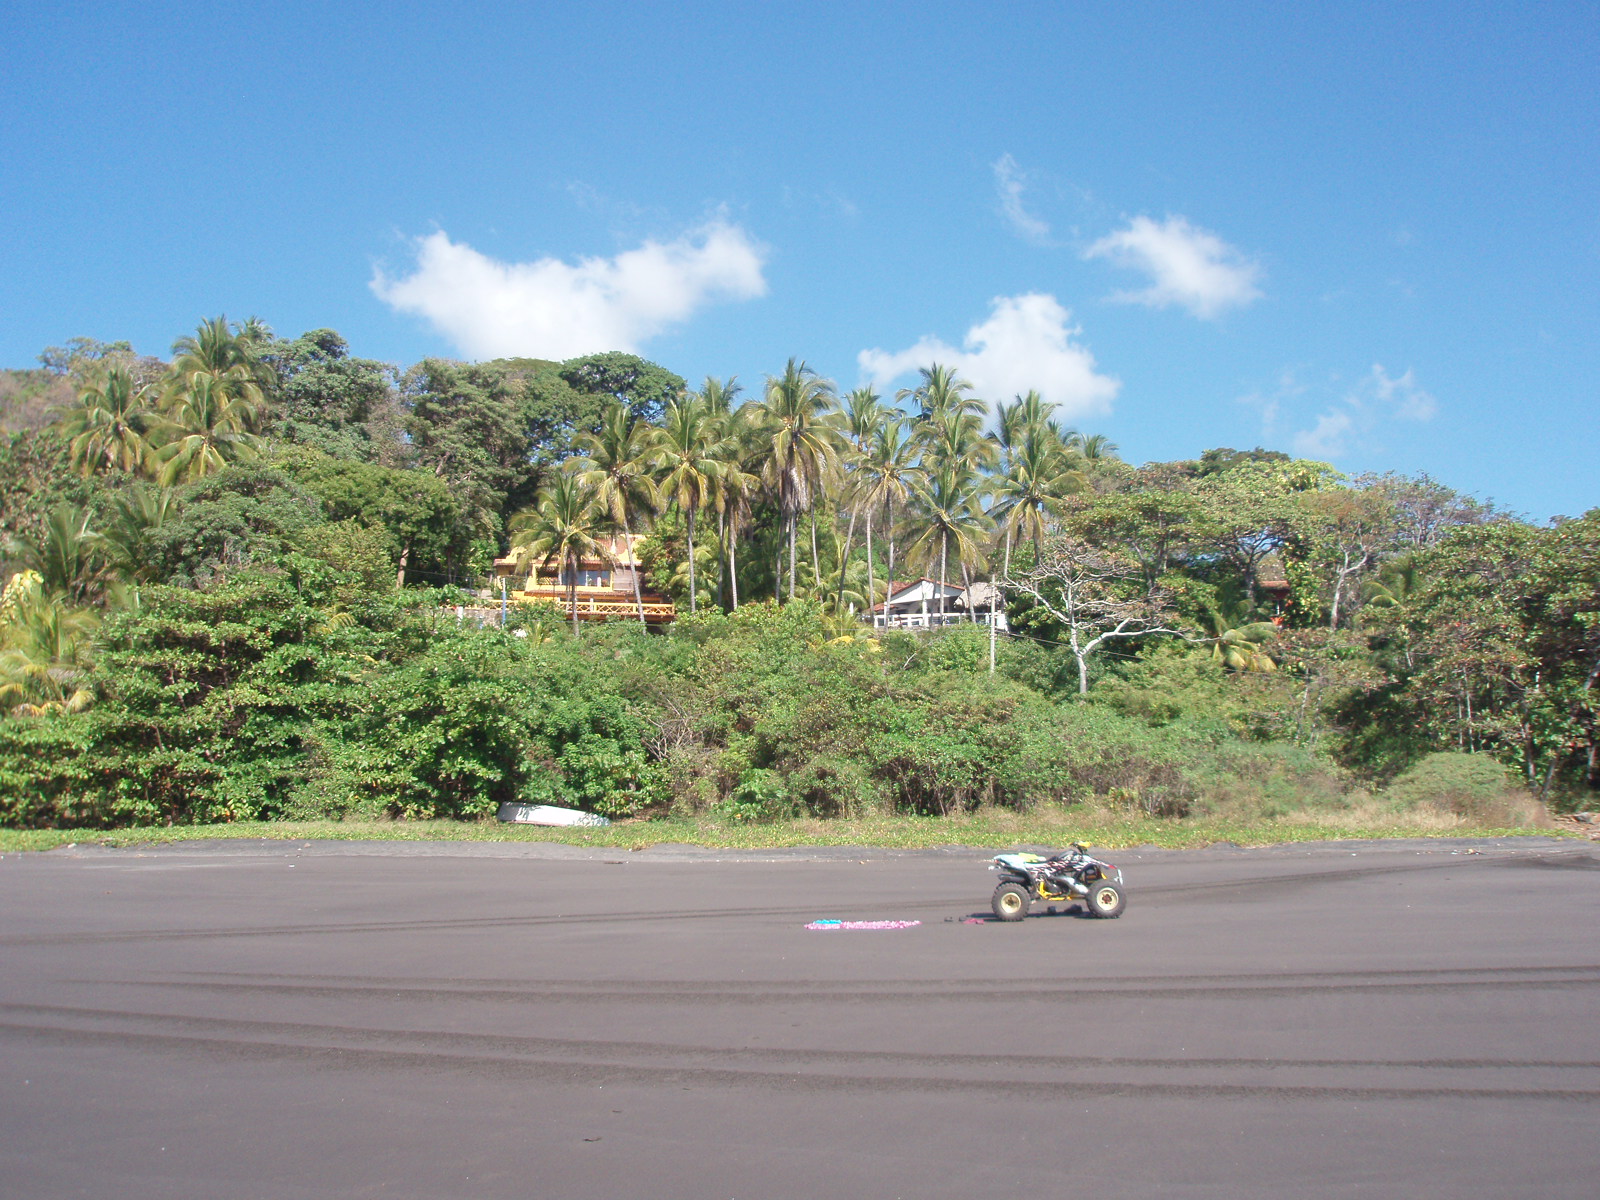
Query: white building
x,y
924,604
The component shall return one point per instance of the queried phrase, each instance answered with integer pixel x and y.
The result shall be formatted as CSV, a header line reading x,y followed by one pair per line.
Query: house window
x,y
587,578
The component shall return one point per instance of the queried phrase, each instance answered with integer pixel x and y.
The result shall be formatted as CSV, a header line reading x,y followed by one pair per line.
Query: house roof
x,y
620,546
899,593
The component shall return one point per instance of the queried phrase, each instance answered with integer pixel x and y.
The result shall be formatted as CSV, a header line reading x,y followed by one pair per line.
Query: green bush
x,y
1473,786
760,795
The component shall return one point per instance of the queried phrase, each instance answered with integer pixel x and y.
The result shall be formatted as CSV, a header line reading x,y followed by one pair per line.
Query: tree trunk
x,y
733,565
944,548
844,559
816,562
794,519
722,559
691,560
638,589
572,590
994,603
889,520
400,575
872,586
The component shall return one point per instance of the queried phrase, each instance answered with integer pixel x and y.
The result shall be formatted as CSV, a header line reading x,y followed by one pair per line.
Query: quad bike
x,y
1068,876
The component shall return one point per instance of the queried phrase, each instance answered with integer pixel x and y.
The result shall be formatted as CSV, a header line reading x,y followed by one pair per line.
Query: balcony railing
x,y
599,604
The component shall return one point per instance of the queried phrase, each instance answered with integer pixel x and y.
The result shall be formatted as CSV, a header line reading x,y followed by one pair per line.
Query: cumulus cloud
x,y
1010,179
1027,342
554,309
1360,414
1328,439
1401,396
1187,266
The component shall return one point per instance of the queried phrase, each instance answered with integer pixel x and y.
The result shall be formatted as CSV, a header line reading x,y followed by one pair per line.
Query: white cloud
x,y
1188,266
1027,342
554,309
1011,180
1408,401
1355,418
1329,439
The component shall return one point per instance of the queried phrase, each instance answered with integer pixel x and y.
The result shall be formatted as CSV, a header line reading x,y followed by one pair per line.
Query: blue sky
x,y
1365,233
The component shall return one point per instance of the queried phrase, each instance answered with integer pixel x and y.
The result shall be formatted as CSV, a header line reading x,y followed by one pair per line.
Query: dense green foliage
x,y
231,583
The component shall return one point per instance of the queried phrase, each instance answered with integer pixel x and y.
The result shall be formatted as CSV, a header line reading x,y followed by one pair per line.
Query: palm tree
x,y
66,556
889,475
45,649
205,427
799,446
941,391
1022,416
229,355
719,397
689,451
108,426
1097,447
214,396
132,519
1239,644
737,487
948,497
562,527
954,438
860,418
1030,490
616,467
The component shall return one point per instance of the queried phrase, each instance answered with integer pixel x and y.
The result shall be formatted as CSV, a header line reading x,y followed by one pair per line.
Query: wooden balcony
x,y
600,604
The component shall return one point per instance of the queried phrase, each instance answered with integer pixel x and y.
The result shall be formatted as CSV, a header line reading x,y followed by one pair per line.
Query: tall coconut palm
x,y
948,499
799,445
108,425
1030,489
889,475
689,452
1097,447
737,487
616,466
720,397
563,527
229,355
860,418
1024,414
955,439
942,391
204,428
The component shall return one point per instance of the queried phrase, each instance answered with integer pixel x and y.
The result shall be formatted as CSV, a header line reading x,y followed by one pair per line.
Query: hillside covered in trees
x,y
231,578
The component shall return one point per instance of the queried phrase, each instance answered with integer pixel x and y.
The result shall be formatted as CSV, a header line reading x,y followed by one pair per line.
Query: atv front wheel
x,y
1104,900
1010,902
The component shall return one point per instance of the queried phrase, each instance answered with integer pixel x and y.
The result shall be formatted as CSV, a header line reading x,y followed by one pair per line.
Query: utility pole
x,y
502,602
994,599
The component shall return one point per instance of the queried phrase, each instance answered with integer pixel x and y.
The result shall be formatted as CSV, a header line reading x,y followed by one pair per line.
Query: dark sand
x,y
223,1020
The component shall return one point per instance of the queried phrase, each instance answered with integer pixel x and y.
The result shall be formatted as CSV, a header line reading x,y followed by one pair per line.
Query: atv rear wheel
x,y
1010,902
1104,900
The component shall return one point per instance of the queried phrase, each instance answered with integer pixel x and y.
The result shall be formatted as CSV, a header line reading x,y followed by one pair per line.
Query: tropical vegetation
x,y
232,579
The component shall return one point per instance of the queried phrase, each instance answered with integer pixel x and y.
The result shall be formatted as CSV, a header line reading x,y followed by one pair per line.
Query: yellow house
x,y
605,584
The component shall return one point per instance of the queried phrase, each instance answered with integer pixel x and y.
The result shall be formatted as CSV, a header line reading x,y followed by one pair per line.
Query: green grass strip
x,y
1045,826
